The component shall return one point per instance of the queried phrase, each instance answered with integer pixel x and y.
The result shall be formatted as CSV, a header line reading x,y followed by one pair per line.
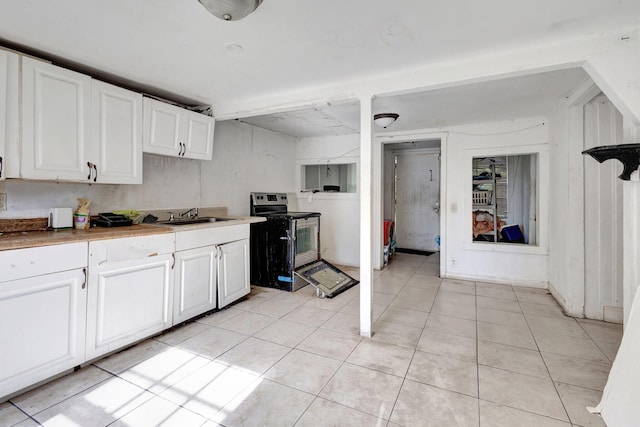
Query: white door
x,y
199,137
117,134
195,283
42,325
603,215
161,133
417,201
128,301
55,122
233,272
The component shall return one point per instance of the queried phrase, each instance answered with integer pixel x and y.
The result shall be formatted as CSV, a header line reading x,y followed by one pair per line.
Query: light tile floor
x,y
444,353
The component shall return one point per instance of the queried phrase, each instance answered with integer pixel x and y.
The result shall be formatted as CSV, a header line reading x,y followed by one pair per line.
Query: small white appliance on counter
x,y
60,218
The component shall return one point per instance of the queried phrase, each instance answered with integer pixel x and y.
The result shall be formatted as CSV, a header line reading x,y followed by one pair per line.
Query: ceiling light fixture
x,y
385,119
230,10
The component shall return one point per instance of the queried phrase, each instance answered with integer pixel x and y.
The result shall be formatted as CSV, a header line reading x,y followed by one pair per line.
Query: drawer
x,y
201,237
29,262
128,248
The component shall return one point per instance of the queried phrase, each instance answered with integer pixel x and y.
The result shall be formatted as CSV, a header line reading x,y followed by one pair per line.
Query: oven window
x,y
305,241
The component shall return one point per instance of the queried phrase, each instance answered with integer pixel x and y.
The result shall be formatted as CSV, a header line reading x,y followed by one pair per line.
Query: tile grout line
x,y
555,387
475,287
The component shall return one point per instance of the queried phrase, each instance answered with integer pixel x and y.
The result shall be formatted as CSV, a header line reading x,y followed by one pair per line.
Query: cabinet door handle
x,y
90,165
84,282
0,167
95,167
174,261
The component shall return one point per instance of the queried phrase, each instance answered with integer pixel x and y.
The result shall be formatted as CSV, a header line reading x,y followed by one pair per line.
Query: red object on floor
x,y
388,231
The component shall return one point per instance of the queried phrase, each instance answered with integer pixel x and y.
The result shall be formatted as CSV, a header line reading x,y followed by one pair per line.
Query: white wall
x,y
603,215
501,263
340,220
519,264
564,213
244,159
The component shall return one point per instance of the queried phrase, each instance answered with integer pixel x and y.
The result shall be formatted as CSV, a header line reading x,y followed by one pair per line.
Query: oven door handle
x,y
287,237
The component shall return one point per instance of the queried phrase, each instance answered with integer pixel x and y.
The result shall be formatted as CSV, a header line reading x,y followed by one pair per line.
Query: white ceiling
x,y
534,95
287,45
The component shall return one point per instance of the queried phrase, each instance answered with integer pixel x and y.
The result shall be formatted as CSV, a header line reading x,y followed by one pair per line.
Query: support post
x,y
366,215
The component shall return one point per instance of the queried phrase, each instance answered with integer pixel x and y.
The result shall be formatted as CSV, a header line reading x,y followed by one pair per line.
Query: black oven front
x,y
284,242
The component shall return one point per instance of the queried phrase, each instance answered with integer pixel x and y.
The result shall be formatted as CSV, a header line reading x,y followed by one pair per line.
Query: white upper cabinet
x,y
117,135
78,129
199,137
9,114
9,98
55,122
174,131
4,71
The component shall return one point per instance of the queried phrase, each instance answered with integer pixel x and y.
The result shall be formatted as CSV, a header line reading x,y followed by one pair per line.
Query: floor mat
x,y
414,251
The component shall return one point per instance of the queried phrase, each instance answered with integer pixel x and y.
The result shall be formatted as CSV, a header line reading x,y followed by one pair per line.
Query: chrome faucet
x,y
191,213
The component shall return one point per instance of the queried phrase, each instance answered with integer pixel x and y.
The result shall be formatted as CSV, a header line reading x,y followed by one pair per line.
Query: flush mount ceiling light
x,y
385,119
230,10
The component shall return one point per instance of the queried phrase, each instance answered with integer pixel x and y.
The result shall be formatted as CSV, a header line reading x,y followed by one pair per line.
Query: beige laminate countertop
x,y
30,239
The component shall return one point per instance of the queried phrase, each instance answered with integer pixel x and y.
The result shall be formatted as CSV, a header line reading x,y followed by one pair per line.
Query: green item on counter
x,y
128,213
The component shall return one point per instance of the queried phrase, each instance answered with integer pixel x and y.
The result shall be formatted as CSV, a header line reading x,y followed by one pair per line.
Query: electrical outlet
x,y
454,262
3,201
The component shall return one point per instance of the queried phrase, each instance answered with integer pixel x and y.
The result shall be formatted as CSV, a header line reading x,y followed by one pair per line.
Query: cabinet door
x,y
4,77
161,134
195,283
9,115
117,134
199,135
233,272
128,301
42,325
55,122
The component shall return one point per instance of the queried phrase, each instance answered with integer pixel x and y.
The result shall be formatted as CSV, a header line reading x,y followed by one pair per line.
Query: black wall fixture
x,y
628,154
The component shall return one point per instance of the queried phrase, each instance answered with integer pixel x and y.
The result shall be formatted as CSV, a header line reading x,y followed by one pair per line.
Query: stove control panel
x,y
268,199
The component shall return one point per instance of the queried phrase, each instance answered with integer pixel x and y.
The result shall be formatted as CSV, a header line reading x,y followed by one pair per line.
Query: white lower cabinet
x,y
42,317
195,283
59,309
233,272
210,261
130,294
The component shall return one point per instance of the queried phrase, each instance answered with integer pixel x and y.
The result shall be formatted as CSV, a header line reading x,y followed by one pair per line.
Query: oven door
x,y
307,240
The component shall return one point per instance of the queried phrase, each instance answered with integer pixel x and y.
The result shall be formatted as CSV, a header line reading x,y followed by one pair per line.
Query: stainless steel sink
x,y
187,221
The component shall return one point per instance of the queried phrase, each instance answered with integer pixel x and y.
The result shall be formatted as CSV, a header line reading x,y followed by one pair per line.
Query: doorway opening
x,y
412,196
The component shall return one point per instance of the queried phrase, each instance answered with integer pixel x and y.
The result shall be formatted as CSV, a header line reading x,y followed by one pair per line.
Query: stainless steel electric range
x,y
286,241
285,250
